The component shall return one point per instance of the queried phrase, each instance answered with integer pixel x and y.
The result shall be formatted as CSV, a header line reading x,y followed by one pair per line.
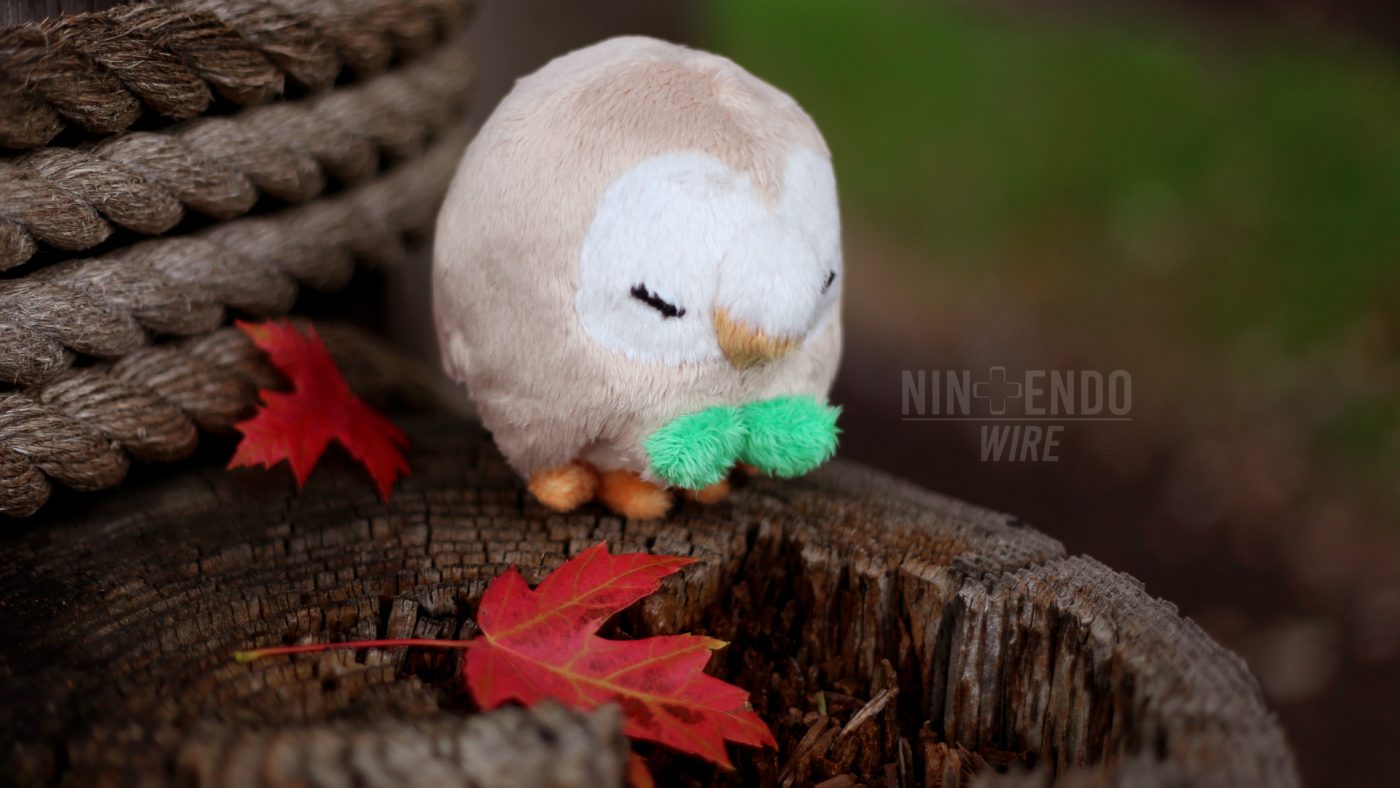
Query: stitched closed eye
x,y
830,277
666,308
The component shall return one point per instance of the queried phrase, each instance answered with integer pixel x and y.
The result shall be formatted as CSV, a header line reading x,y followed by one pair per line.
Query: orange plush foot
x,y
565,488
631,496
713,494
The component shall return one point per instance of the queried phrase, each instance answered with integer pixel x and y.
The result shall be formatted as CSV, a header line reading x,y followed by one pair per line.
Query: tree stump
x,y
890,636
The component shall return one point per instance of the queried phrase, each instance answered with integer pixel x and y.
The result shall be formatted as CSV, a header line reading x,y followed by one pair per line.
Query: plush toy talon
x,y
638,274
628,494
712,494
565,488
746,469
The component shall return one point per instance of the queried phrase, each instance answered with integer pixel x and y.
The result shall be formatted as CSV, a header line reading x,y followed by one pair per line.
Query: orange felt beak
x,y
745,346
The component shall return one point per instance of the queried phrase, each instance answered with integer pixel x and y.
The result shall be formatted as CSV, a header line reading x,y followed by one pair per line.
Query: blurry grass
x,y
1252,181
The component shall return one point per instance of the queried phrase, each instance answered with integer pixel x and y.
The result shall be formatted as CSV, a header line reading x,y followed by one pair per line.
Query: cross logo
x,y
996,390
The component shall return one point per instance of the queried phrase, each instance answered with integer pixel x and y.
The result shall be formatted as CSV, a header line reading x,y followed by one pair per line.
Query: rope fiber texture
x,y
70,198
101,72
111,305
83,428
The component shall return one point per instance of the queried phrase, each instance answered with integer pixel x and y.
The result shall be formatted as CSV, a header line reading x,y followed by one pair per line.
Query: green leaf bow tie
x,y
783,436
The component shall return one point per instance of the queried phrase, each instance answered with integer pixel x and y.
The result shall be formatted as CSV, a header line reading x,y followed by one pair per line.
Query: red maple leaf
x,y
298,425
542,644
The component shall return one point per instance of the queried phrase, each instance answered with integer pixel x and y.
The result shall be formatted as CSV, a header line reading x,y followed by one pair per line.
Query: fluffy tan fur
x,y
509,236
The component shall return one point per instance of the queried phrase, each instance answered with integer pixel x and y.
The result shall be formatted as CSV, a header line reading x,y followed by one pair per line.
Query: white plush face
x,y
683,236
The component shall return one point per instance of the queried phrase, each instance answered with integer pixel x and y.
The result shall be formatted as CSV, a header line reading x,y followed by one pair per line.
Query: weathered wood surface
x,y
889,635
546,747
13,12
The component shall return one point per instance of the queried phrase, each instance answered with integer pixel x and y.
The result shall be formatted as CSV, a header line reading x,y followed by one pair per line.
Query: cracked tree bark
x,y
888,635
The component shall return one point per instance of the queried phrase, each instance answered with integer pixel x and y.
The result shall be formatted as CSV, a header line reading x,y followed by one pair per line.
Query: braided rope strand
x,y
207,48
23,487
25,121
83,429
146,426
144,181
85,322
291,42
65,80
122,196
47,357
111,305
47,212
61,447
100,71
154,75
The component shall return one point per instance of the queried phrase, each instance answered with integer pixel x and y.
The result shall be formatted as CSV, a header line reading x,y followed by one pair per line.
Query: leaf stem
x,y
306,648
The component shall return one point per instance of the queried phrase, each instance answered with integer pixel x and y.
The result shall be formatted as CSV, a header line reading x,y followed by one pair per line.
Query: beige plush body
x,y
522,223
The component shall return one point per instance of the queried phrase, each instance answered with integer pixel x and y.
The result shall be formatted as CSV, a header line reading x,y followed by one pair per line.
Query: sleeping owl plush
x,y
637,275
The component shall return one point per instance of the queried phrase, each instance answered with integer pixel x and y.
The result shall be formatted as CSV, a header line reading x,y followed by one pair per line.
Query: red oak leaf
x,y
298,425
542,643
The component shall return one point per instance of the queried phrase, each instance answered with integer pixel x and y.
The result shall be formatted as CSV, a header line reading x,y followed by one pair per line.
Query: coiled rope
x,y
83,428
70,198
111,305
101,71
121,355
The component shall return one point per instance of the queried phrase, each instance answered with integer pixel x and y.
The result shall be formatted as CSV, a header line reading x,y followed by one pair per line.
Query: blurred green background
x,y
1248,179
